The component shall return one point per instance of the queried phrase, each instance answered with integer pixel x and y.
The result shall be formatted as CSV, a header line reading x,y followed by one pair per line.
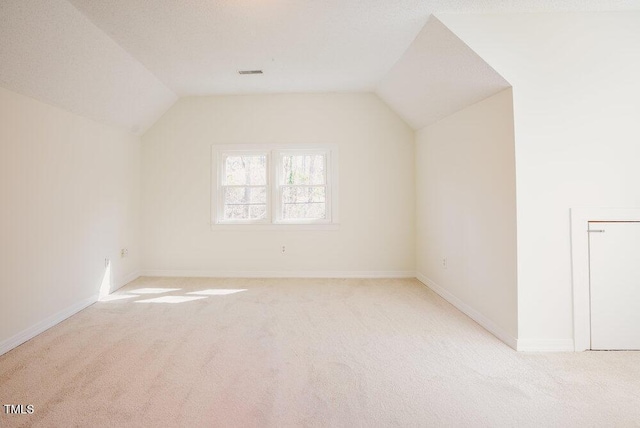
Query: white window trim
x,y
274,153
277,179
219,201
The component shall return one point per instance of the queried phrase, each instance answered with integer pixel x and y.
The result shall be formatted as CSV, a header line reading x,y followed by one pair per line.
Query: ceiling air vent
x,y
250,72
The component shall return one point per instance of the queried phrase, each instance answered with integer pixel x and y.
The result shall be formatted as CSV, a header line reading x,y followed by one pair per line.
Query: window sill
x,y
276,226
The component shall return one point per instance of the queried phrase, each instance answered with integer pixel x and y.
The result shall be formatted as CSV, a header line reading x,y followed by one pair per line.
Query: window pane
x,y
245,195
236,212
245,170
245,203
306,202
258,211
303,169
245,212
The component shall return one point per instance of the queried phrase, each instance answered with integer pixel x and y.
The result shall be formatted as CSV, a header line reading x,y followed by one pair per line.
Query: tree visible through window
x,y
273,185
245,187
303,188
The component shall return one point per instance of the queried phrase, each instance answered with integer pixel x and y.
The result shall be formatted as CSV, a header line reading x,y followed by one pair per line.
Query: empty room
x,y
291,213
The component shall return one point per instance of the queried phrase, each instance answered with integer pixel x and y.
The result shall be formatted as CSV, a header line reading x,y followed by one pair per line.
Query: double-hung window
x,y
303,193
244,191
274,185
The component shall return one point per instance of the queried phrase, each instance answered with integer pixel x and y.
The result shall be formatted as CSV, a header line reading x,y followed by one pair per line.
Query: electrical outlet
x,y
124,252
444,263
283,249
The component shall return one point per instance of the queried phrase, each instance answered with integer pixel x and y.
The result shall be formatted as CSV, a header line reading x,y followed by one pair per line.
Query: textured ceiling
x,y
197,47
123,62
52,52
301,45
438,75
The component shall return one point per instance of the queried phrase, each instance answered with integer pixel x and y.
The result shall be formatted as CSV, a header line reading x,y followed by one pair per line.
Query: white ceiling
x,y
124,62
51,52
437,76
301,45
197,47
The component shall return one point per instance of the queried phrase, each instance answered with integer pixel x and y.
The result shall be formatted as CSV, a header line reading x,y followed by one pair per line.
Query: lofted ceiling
x,y
124,62
437,76
301,45
52,52
197,47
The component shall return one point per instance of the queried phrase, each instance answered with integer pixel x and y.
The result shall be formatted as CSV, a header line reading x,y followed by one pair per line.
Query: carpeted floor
x,y
301,352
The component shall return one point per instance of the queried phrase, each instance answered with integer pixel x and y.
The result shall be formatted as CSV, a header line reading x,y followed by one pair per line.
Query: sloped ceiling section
x,y
437,76
51,52
122,62
198,47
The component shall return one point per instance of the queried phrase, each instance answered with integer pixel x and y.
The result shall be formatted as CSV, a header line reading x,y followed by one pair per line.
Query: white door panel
x,y
614,253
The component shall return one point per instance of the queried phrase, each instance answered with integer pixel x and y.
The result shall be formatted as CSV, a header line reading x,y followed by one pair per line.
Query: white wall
x,y
466,212
576,92
376,171
70,197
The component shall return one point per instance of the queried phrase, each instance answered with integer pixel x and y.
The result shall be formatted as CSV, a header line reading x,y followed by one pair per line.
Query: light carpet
x,y
301,352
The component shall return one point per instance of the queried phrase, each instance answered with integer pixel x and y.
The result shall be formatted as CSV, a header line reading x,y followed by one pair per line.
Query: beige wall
x,y
466,211
70,193
576,91
376,186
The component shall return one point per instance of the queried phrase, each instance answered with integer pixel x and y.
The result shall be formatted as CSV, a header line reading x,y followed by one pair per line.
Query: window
x,y
302,186
244,190
274,185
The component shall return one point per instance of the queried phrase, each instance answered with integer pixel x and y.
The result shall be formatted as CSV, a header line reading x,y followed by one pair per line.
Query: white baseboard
x,y
545,345
485,322
17,340
278,274
121,282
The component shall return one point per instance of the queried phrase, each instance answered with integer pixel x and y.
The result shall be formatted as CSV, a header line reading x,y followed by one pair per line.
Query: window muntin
x,y
273,185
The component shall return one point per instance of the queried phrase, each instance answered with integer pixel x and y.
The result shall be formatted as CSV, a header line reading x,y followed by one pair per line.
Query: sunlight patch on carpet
x,y
170,299
218,291
154,290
